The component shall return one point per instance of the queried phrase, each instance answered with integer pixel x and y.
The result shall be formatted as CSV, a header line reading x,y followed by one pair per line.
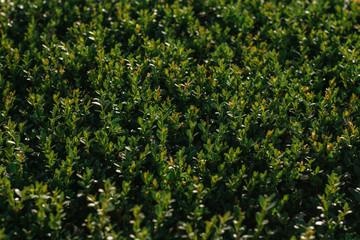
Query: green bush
x,y
169,119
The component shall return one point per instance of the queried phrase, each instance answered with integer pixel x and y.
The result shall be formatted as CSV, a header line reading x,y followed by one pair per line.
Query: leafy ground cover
x,y
196,119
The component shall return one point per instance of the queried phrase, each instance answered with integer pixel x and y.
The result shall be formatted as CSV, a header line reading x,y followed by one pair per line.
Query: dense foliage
x,y
167,119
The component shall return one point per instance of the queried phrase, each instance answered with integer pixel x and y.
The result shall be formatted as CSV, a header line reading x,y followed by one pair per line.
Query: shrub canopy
x,y
163,119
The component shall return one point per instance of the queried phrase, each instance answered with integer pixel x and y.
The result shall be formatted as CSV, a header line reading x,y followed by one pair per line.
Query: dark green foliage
x,y
163,119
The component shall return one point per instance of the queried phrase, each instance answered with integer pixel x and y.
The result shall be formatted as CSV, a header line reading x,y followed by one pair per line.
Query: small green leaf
x,y
258,218
262,202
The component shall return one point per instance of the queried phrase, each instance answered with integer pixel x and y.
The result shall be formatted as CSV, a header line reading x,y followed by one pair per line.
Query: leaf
x,y
11,142
262,202
319,223
237,211
258,218
18,192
